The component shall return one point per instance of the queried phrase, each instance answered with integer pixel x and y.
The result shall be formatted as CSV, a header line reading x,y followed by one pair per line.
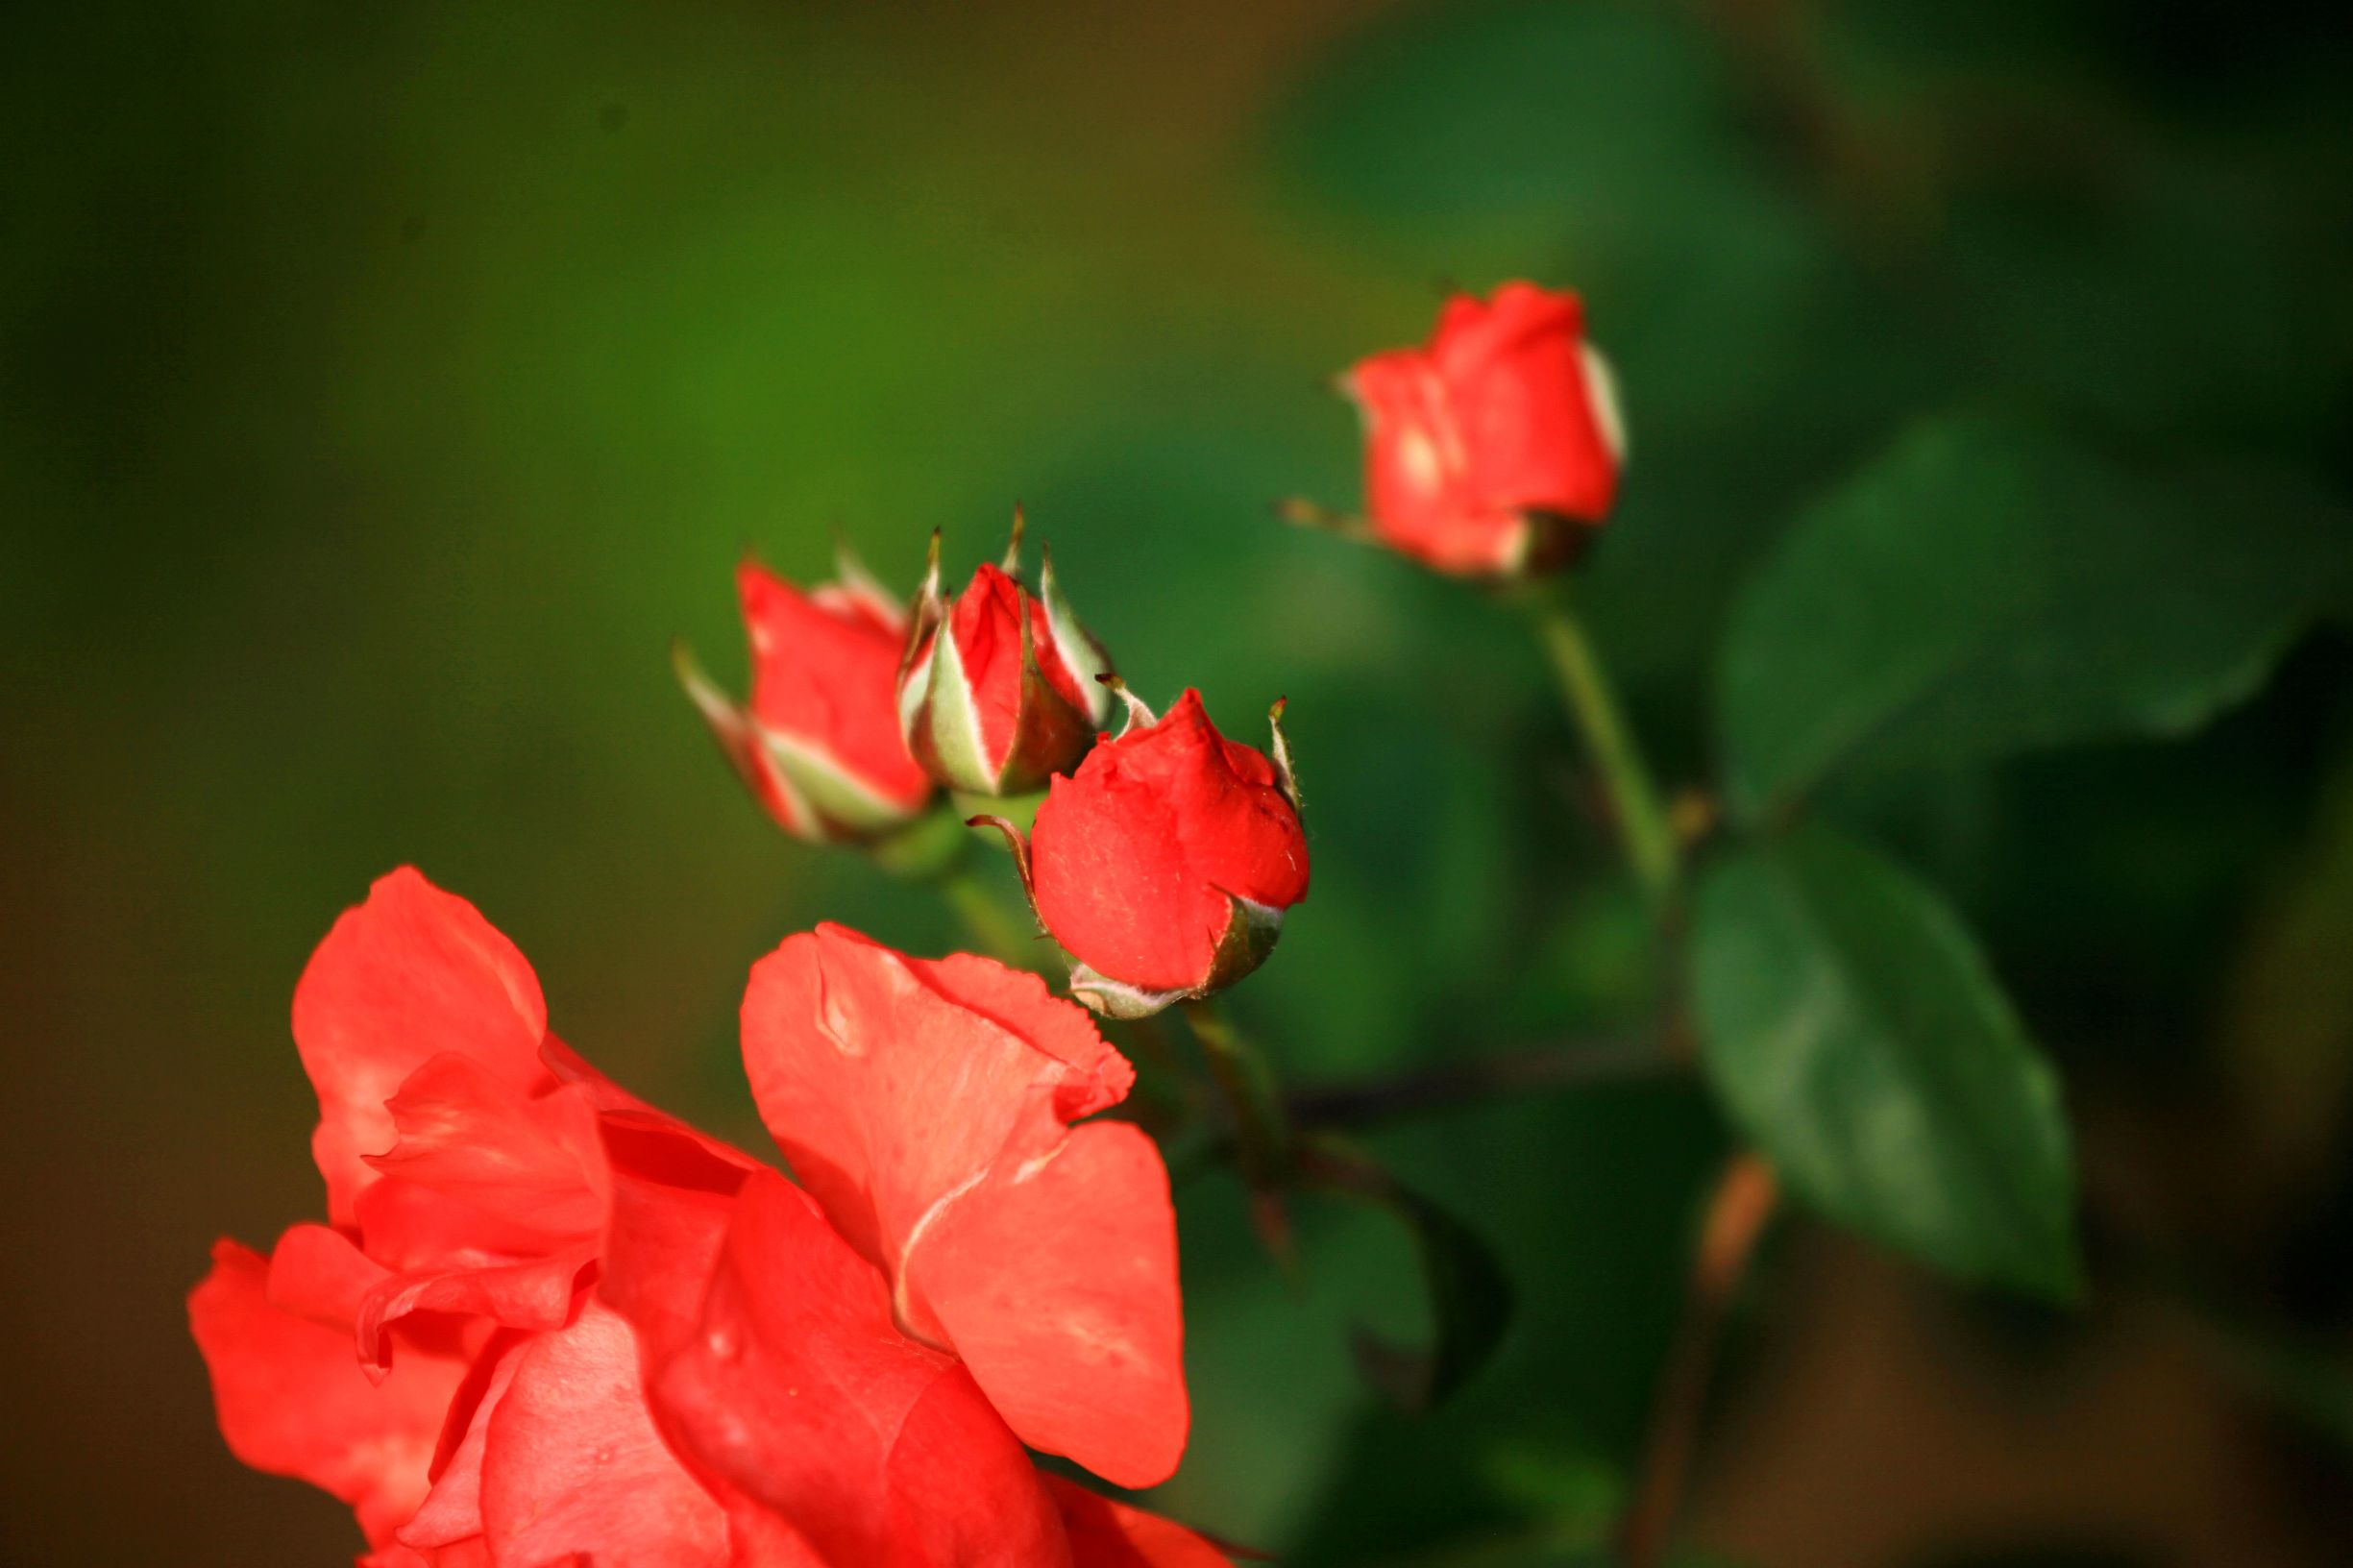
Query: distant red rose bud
x,y
818,743
1165,862
1493,449
998,691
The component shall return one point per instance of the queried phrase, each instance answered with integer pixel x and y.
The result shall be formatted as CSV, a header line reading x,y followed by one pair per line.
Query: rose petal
x,y
409,1227
291,1398
986,622
534,1295
824,669
397,1556
1108,1535
572,1462
635,1132
532,1161
921,1102
411,973
451,1512
1054,1280
1518,391
798,1394
1417,479
660,1249
317,1273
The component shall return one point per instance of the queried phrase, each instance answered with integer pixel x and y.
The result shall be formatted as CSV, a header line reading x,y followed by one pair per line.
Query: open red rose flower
x,y
548,1325
980,1219
818,743
1165,862
1495,448
999,687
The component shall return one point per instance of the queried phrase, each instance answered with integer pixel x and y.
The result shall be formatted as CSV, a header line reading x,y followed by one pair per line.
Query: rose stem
x,y
1261,1129
1501,1076
1643,822
1737,1213
966,891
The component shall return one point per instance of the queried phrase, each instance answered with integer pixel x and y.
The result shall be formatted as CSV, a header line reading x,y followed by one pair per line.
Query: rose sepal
x,y
940,713
1080,651
1051,733
1251,932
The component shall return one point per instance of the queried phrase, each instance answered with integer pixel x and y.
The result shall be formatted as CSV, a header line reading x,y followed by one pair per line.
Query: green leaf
x,y
1987,589
1856,1033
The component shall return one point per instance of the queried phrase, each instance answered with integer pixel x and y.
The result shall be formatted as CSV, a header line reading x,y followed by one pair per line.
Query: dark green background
x,y
383,387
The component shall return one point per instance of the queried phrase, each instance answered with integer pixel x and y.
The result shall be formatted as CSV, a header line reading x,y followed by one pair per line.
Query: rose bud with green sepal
x,y
999,689
818,743
1165,862
1494,450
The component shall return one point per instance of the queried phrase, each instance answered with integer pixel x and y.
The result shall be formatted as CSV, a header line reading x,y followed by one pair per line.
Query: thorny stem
x,y
1738,1211
1261,1126
1347,1107
1643,824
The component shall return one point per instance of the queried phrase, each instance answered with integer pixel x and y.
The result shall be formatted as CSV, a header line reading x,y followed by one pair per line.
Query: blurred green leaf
x,y
1469,1294
1478,135
1587,1199
1987,588
1855,1031
2285,1023
1573,1496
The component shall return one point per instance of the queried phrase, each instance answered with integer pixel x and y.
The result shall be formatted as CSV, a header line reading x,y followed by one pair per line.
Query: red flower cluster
x,y
548,1325
1162,861
1491,450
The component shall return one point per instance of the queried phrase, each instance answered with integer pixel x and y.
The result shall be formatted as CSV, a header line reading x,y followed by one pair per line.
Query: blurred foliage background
x,y
381,388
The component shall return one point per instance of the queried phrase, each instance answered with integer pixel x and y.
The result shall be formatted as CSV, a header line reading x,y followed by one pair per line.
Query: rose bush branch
x,y
1739,1209
1504,1075
998,934
1653,845
1262,1136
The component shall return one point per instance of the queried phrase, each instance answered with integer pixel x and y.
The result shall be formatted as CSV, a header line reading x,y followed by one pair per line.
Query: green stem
x,y
1650,844
1261,1127
966,891
1247,1084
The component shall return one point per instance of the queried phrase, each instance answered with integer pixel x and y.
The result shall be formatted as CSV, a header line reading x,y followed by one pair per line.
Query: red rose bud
x,y
1495,449
818,743
1165,862
999,688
